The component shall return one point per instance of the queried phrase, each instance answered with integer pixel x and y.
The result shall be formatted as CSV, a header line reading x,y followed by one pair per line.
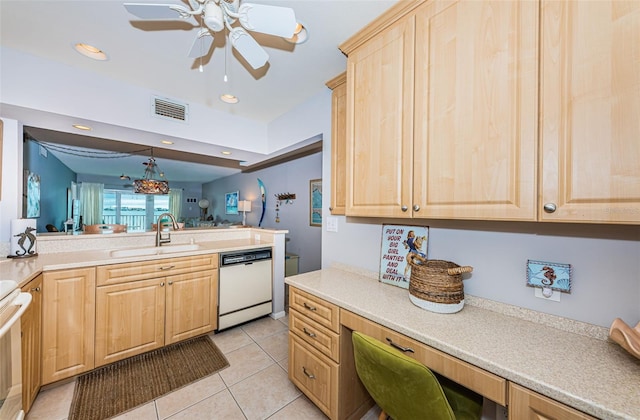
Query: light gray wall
x,y
291,177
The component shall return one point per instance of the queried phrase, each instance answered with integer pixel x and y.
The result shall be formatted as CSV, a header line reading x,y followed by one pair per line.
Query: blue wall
x,y
55,178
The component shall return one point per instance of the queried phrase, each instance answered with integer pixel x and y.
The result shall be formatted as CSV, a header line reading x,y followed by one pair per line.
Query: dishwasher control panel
x,y
243,257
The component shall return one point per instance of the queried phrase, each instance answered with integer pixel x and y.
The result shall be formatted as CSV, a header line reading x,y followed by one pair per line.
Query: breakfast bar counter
x,y
571,362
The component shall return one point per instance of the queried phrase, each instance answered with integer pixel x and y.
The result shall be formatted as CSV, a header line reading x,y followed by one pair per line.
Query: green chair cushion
x,y
406,389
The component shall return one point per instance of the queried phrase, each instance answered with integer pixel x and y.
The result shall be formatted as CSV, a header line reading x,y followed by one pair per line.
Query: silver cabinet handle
x,y
549,207
309,375
404,208
310,334
416,207
167,267
35,289
311,308
399,347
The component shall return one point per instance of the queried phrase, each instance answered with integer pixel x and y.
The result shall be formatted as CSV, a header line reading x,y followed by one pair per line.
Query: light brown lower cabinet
x,y
68,323
31,324
527,404
143,306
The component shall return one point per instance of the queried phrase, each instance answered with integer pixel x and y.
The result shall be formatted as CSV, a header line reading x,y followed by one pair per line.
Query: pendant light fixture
x,y
153,181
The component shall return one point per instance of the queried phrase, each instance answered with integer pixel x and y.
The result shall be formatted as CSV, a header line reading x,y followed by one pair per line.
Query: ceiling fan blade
x,y
201,44
157,11
271,20
248,48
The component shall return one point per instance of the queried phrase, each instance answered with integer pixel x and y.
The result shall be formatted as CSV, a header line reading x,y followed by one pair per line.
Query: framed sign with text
x,y
397,243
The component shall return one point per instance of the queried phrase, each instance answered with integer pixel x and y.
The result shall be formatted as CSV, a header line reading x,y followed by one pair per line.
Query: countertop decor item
x,y
23,238
627,337
398,243
436,285
245,207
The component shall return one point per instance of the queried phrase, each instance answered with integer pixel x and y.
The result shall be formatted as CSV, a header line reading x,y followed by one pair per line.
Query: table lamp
x,y
244,206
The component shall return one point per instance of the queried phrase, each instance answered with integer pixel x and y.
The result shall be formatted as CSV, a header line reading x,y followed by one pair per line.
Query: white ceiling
x,y
153,55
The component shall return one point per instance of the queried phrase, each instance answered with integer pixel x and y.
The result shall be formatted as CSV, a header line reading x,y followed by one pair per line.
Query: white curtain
x,y
175,202
91,200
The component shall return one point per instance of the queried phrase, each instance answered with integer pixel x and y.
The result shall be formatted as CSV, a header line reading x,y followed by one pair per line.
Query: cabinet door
x,y
379,123
192,301
31,323
129,319
590,80
526,404
339,146
68,323
476,110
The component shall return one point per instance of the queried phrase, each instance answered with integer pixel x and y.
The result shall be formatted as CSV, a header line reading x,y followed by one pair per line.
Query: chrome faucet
x,y
164,239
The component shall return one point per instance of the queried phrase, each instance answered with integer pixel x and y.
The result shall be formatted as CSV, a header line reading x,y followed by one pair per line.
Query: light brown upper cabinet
x,y
590,110
494,110
442,113
338,143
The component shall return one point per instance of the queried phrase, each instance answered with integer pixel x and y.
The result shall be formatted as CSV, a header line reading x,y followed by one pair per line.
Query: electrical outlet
x,y
332,224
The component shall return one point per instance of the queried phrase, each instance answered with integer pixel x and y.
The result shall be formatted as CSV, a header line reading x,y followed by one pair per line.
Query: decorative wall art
x,y
315,202
397,243
32,205
263,198
549,276
231,202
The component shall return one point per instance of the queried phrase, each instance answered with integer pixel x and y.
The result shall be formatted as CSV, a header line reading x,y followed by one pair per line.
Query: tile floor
x,y
254,386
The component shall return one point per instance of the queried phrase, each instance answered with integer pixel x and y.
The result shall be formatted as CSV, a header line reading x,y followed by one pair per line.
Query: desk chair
x,y
405,389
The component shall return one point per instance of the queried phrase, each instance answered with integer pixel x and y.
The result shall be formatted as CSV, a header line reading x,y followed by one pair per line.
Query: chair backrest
x,y
404,388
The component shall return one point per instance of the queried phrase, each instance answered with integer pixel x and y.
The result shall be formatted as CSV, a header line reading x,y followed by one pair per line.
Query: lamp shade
x,y
244,205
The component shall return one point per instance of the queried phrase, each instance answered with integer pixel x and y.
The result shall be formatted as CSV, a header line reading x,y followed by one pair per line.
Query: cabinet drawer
x,y
142,270
321,311
524,403
315,374
484,383
319,337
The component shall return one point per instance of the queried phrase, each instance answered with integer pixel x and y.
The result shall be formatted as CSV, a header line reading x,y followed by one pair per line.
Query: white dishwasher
x,y
245,287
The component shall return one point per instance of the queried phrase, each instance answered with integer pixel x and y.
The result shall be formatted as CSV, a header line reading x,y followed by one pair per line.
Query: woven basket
x,y
436,285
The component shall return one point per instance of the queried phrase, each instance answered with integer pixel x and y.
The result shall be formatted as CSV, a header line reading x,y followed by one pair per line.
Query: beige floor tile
x,y
285,320
284,364
264,393
301,408
217,407
189,395
231,340
245,362
276,345
144,412
53,404
263,327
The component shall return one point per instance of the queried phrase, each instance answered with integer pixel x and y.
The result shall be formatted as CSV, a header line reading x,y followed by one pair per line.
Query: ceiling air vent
x,y
171,110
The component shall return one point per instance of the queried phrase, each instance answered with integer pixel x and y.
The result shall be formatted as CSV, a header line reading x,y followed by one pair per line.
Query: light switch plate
x,y
332,224
555,295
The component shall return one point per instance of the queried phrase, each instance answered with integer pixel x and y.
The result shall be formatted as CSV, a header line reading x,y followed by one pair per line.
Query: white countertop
x,y
592,375
22,270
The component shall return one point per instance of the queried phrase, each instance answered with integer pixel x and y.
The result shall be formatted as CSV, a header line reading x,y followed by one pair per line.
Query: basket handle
x,y
459,270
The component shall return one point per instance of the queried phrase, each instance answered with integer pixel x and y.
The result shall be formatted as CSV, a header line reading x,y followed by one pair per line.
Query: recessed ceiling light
x,y
90,51
228,98
166,142
300,35
226,152
82,127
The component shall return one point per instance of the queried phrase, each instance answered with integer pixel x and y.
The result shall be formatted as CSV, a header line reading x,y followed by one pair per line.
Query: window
x,y
137,211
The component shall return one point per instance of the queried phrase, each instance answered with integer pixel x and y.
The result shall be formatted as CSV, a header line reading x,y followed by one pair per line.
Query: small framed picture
x,y
549,275
231,202
315,202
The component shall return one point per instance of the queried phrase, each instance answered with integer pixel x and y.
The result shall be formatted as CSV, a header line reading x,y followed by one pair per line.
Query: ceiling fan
x,y
217,15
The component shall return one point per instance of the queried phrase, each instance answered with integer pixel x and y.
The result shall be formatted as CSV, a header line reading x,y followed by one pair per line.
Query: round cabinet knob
x,y
330,208
170,283
549,207
416,207
162,284
35,289
404,208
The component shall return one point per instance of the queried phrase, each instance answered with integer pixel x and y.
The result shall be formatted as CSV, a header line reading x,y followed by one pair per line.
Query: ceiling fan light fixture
x,y
229,98
90,51
213,17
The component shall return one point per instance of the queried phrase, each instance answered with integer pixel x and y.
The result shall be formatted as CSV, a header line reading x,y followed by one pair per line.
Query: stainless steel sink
x,y
156,250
